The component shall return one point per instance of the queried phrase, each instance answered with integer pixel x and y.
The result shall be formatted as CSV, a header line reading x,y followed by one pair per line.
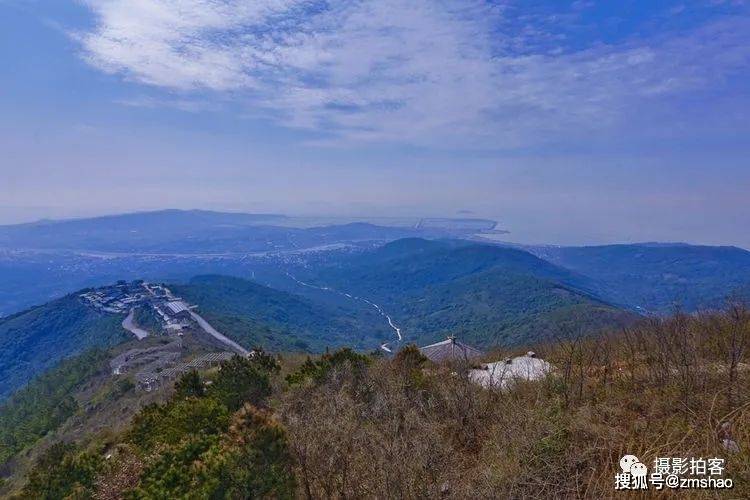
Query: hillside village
x,y
122,298
173,313
153,366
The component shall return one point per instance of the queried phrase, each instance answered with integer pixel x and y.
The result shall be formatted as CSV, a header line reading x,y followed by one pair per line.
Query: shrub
x,y
61,472
189,385
318,371
241,380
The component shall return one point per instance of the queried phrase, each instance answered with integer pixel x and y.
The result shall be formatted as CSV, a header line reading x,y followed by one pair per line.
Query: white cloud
x,y
416,71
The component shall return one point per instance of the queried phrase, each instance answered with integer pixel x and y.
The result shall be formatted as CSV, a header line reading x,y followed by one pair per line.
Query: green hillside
x,y
496,307
34,340
46,402
487,294
484,293
658,277
255,315
412,264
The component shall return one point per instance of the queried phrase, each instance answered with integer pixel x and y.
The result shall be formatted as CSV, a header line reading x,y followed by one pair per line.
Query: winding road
x,y
218,336
130,326
395,328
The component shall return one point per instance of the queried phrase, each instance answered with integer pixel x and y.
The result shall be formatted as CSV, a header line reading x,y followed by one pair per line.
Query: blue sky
x,y
570,122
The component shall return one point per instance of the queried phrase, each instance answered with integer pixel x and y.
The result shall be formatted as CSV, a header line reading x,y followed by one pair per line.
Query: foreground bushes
x,y
401,430
351,426
206,442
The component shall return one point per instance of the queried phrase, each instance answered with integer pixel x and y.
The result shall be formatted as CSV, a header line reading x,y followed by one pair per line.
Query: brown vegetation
x,y
663,389
347,425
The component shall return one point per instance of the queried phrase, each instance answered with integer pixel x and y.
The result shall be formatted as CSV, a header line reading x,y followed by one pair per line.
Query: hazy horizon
x,y
567,122
502,235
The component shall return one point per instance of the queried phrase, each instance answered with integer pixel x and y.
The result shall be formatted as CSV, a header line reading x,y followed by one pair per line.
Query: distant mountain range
x,y
47,259
305,289
190,232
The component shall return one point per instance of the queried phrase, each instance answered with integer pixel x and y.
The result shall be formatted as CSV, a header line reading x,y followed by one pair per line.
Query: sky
x,y
569,122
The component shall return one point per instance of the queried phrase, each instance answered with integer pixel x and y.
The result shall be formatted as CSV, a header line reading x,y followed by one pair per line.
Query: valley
x,y
396,329
354,285
129,328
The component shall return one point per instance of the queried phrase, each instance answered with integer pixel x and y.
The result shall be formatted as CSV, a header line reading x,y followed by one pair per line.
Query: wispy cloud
x,y
416,71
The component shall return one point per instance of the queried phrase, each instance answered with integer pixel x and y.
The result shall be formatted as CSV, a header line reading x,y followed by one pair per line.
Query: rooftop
x,y
177,306
450,350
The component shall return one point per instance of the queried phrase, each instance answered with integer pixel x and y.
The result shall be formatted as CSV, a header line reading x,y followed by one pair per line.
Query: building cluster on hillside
x,y
153,366
172,312
117,299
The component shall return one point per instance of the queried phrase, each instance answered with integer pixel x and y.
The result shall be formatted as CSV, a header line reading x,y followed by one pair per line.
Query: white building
x,y
502,374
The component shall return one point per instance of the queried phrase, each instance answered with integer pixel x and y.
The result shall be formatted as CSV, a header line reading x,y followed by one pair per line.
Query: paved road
x,y
130,326
348,296
218,336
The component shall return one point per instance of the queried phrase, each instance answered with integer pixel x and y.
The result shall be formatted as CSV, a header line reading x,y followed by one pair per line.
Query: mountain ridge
x,y
660,277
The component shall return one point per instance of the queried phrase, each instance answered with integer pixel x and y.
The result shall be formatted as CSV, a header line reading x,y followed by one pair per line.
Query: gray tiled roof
x,y
450,350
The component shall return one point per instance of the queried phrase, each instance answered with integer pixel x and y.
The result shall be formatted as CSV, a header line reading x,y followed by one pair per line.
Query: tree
x,y
264,361
318,371
62,472
410,357
253,461
239,381
189,385
171,422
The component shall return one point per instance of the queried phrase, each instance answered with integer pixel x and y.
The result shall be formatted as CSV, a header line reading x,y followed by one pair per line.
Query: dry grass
x,y
397,430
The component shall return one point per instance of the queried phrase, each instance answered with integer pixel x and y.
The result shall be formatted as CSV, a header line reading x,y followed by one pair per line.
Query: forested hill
x,y
658,277
487,294
413,263
247,312
256,315
36,339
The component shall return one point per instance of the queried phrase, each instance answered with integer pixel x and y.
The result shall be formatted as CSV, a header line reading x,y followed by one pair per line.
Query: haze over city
x,y
568,122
